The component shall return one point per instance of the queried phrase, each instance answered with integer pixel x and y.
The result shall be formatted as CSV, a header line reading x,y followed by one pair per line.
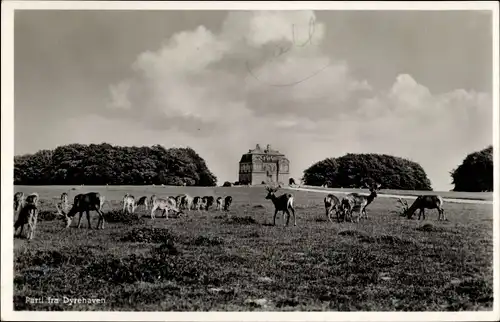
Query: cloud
x,y
266,78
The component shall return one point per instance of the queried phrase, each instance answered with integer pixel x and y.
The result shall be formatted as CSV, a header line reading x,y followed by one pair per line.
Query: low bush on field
x,y
247,220
149,235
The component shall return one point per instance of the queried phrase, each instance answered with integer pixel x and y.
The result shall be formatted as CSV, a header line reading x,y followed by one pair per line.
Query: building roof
x,y
247,157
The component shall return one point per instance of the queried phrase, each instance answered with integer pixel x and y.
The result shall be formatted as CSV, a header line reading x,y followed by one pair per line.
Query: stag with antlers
x,y
426,202
283,203
355,200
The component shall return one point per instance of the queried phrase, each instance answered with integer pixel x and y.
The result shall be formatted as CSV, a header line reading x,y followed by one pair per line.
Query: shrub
x,y
475,174
227,184
356,170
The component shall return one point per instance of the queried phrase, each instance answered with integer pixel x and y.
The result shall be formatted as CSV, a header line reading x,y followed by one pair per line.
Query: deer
x,y
85,203
178,200
355,200
404,206
165,205
186,202
426,202
197,203
18,200
282,203
208,201
32,198
332,203
27,215
227,202
129,203
218,203
143,201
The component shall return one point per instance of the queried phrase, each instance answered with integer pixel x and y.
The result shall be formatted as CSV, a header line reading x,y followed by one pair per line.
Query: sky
x,y
312,84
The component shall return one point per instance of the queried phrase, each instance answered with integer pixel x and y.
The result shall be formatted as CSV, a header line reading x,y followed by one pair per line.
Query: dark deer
x,y
227,202
355,200
427,202
85,203
143,201
282,203
332,203
218,203
208,201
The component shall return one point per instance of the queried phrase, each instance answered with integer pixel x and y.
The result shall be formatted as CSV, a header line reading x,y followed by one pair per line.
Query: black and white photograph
x,y
252,160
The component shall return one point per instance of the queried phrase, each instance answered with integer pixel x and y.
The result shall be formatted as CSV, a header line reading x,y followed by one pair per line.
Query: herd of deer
x,y
27,206
345,207
175,204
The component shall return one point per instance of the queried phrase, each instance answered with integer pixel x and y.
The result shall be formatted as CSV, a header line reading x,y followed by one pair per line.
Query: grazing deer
x,y
404,206
178,200
166,205
85,203
18,201
197,203
33,199
282,203
218,204
332,203
208,201
27,215
355,200
427,202
186,202
143,201
227,202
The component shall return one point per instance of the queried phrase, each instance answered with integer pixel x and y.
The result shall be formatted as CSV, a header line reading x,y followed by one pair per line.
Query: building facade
x,y
264,165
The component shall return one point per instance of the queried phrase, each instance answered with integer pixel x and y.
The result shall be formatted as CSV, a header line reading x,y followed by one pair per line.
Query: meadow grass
x,y
237,261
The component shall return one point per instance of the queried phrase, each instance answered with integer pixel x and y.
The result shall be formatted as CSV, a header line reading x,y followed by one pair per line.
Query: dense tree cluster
x,y
100,164
354,170
475,174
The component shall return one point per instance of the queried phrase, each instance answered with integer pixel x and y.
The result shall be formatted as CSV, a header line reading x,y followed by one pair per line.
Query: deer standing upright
x,y
282,203
332,203
355,200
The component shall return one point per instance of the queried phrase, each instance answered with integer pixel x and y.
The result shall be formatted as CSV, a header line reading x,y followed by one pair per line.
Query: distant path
x,y
380,195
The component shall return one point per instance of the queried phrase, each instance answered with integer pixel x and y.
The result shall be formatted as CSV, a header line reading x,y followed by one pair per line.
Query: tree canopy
x,y
100,164
354,170
475,174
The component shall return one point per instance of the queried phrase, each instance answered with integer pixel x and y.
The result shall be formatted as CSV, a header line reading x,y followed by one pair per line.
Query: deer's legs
x,y
101,219
88,219
274,217
293,213
286,217
153,211
80,219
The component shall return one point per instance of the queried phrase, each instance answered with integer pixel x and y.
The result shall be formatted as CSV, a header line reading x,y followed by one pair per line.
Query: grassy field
x,y
237,261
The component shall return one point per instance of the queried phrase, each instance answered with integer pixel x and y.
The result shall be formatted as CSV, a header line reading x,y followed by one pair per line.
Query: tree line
x,y
101,164
354,170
